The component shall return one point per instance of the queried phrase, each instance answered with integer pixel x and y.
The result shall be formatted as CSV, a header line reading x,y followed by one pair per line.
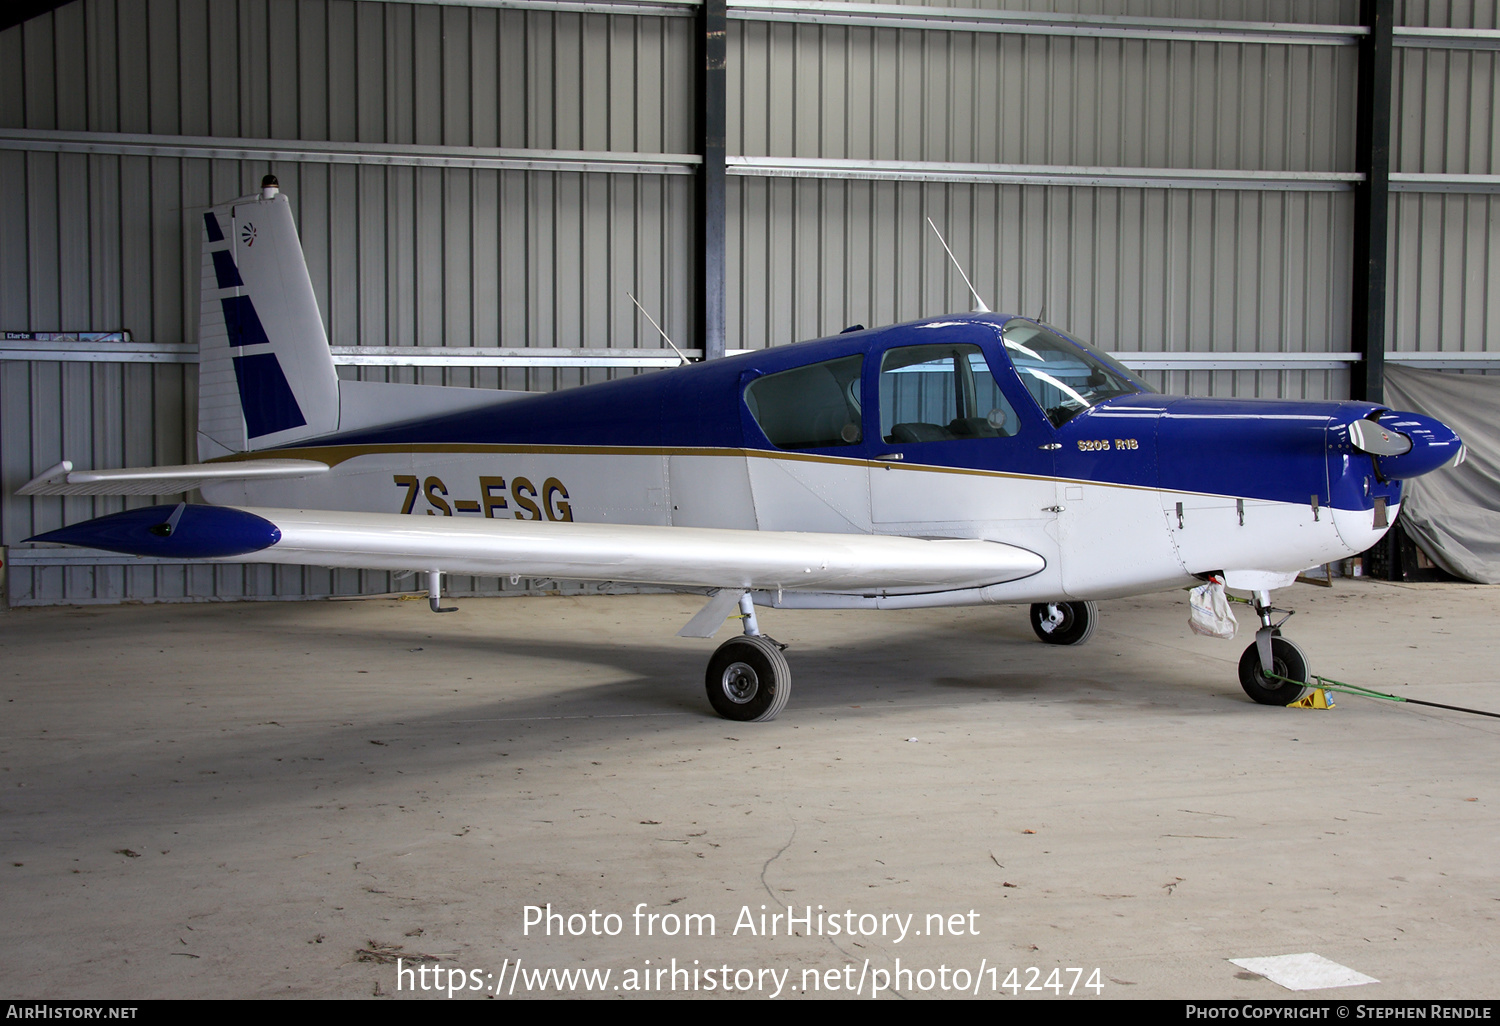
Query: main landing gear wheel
x,y
1064,623
1287,660
749,679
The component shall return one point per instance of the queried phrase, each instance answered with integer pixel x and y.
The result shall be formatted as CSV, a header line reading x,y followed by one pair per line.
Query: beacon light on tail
x,y
973,458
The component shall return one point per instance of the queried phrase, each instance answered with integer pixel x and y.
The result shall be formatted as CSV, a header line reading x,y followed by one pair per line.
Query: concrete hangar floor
x,y
283,798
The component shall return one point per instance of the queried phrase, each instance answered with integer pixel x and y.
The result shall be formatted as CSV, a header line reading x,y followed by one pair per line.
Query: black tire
x,y
1078,622
1287,660
748,679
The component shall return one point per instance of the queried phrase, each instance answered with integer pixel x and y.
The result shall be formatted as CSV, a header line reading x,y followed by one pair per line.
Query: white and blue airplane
x,y
969,459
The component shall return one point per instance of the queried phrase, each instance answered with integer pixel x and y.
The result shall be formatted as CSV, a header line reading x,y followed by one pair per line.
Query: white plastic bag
x,y
1209,611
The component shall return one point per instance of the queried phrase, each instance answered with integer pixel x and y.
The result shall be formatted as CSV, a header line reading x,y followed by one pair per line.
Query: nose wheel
x,y
1064,623
1273,671
1287,660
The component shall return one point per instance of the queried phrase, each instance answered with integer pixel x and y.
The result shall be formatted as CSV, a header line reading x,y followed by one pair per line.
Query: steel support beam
x,y
465,357
1041,174
377,154
713,115
970,19
1460,184
1372,199
1040,23
617,162
1448,38
452,357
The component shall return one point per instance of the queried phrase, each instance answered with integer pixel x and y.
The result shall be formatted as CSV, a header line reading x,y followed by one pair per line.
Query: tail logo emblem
x,y
247,235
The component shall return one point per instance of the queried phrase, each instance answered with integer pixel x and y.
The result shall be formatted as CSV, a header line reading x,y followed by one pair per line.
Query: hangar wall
x,y
1169,191
432,254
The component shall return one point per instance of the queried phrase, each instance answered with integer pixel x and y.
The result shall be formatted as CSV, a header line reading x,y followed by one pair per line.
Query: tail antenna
x,y
663,334
979,306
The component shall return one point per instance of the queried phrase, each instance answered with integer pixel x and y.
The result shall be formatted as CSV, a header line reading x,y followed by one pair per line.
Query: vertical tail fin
x,y
265,375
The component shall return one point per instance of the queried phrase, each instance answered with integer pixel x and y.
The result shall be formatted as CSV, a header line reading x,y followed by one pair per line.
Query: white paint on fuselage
x,y
711,491
1113,538
795,494
1098,540
1274,536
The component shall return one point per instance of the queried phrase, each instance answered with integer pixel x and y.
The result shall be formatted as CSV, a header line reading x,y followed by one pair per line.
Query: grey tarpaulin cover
x,y
1454,513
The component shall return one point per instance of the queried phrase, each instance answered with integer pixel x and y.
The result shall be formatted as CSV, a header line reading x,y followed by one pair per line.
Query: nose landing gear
x,y
1270,658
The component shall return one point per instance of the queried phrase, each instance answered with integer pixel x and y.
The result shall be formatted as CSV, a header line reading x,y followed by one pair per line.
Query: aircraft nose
x,y
1406,445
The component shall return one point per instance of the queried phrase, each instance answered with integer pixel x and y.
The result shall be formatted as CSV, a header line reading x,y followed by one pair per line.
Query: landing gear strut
x,y
748,677
1272,655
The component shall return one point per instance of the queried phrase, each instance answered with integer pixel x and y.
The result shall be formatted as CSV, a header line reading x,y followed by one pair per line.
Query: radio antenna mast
x,y
663,334
979,306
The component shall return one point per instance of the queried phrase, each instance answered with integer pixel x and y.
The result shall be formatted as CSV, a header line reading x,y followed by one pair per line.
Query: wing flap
x,y
64,480
640,554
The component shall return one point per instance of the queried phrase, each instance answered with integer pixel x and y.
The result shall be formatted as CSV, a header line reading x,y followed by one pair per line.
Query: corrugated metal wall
x,y
407,256
1475,14
1131,269
1445,247
461,257
340,70
801,90
1128,268
399,255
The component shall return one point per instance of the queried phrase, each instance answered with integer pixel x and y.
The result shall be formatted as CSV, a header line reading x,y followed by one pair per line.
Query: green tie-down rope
x,y
1329,684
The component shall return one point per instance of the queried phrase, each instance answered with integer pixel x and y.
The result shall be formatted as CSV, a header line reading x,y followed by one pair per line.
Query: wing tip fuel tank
x,y
201,532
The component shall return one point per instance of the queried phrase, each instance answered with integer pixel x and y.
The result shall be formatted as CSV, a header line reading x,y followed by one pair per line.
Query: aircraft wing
x,y
629,553
64,480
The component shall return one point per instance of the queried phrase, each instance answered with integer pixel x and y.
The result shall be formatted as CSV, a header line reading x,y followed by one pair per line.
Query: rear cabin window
x,y
941,392
812,407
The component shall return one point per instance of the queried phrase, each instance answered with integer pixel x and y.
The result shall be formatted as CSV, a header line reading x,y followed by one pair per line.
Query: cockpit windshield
x,y
1065,377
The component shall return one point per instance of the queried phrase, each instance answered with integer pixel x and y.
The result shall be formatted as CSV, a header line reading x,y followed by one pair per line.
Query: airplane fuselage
x,y
1135,493
960,460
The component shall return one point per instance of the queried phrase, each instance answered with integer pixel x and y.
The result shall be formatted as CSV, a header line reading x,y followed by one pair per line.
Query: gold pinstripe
x,y
333,455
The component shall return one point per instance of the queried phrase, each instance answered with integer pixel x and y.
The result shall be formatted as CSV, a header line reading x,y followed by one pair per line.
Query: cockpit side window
x,y
937,393
813,407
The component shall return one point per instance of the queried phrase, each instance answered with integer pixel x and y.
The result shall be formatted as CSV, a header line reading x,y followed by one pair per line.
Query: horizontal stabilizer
x,y
64,480
694,557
